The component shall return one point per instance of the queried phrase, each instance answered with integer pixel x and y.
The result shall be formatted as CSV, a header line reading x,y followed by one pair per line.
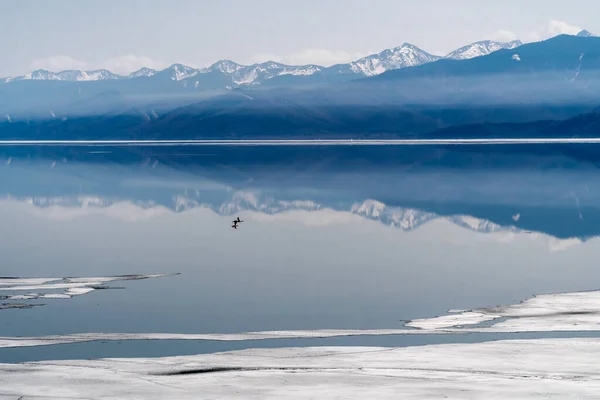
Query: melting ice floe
x,y
45,288
557,368
579,311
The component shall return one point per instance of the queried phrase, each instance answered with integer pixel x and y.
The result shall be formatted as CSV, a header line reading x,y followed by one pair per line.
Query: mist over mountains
x,y
548,88
43,93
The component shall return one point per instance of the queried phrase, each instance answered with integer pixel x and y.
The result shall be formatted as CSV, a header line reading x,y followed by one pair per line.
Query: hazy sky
x,y
123,35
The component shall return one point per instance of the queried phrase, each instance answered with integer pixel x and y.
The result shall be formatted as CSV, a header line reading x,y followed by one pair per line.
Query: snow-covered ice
x,y
6,342
508,369
578,311
70,286
452,320
557,368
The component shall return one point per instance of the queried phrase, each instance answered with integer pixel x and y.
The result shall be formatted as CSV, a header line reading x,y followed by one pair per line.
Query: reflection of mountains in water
x,y
406,219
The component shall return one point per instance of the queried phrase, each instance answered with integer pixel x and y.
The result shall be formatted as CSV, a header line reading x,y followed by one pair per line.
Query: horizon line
x,y
301,142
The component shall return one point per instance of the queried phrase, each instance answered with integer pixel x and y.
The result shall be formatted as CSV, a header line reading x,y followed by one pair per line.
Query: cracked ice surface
x,y
70,286
561,368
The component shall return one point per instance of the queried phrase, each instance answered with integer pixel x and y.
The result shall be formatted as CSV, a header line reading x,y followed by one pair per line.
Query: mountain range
x,y
406,55
548,88
43,93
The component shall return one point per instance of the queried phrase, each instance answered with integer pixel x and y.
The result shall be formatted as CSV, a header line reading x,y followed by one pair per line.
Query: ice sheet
x,y
558,368
578,311
89,337
70,286
25,281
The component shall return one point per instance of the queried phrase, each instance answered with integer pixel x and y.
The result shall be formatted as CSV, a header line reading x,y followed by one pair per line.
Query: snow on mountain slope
x,y
240,74
178,72
479,225
225,66
69,75
260,72
403,56
482,48
406,55
147,72
37,75
304,70
101,74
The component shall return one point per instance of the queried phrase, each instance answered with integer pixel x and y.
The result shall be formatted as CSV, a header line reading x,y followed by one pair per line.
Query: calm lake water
x,y
363,245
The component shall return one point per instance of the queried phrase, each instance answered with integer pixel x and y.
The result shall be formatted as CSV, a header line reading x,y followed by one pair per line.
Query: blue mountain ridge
x,y
496,94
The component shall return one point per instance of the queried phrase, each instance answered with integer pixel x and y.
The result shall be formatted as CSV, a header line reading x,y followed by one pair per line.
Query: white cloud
x,y
554,28
322,57
560,27
503,35
129,63
562,244
57,63
125,211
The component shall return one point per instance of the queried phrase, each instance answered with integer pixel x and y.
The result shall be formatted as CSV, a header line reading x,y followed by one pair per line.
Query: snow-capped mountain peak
x,y
253,74
481,48
180,71
271,65
225,66
97,75
147,72
406,55
39,75
69,75
227,74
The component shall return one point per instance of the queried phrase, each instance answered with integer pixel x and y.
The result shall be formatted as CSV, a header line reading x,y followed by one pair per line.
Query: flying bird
x,y
236,222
